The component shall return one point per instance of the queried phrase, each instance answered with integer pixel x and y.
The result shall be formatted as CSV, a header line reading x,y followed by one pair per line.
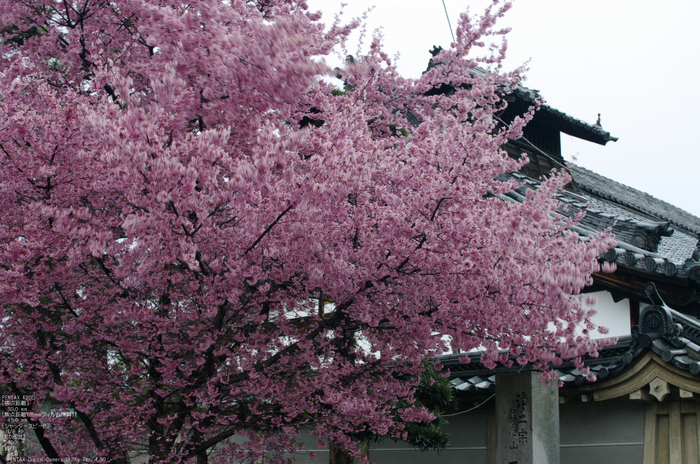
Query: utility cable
x,y
480,404
448,21
468,410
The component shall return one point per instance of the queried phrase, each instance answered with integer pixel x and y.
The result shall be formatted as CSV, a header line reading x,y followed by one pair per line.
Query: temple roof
x,y
602,188
563,122
663,331
656,242
548,115
653,237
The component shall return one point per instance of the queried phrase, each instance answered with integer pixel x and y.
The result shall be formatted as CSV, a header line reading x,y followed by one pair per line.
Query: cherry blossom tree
x,y
206,247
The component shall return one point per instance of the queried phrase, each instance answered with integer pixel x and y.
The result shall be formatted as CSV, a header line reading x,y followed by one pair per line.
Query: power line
x,y
468,410
448,21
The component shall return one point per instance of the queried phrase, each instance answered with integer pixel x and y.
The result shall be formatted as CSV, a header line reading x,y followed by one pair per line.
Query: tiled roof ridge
x,y
625,253
690,224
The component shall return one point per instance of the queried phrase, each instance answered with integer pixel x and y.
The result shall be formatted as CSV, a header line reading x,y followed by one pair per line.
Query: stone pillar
x,y
527,420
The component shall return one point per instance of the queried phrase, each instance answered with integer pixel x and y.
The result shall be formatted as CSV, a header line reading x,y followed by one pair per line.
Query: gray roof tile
x,y
640,202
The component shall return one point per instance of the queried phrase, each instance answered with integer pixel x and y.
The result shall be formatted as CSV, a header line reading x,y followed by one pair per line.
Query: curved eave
x,y
562,121
575,127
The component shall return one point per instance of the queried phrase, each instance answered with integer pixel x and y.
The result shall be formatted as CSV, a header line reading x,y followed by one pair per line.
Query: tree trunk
x,y
340,456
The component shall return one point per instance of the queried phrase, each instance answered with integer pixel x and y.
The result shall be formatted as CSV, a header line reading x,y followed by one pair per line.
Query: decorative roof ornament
x,y
656,321
645,235
432,63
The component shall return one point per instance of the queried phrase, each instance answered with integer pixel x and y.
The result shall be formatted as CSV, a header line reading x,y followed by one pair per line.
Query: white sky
x,y
637,62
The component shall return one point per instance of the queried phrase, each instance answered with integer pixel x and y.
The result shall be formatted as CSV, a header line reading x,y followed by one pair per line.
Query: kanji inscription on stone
x,y
527,420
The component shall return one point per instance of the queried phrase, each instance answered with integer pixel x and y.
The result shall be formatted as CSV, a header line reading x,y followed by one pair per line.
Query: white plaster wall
x,y
614,316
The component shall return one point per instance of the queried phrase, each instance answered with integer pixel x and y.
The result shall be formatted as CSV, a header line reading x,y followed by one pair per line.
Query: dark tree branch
x,y
39,431
437,207
269,228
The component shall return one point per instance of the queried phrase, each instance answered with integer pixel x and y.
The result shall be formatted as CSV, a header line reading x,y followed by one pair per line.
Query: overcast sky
x,y
637,62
